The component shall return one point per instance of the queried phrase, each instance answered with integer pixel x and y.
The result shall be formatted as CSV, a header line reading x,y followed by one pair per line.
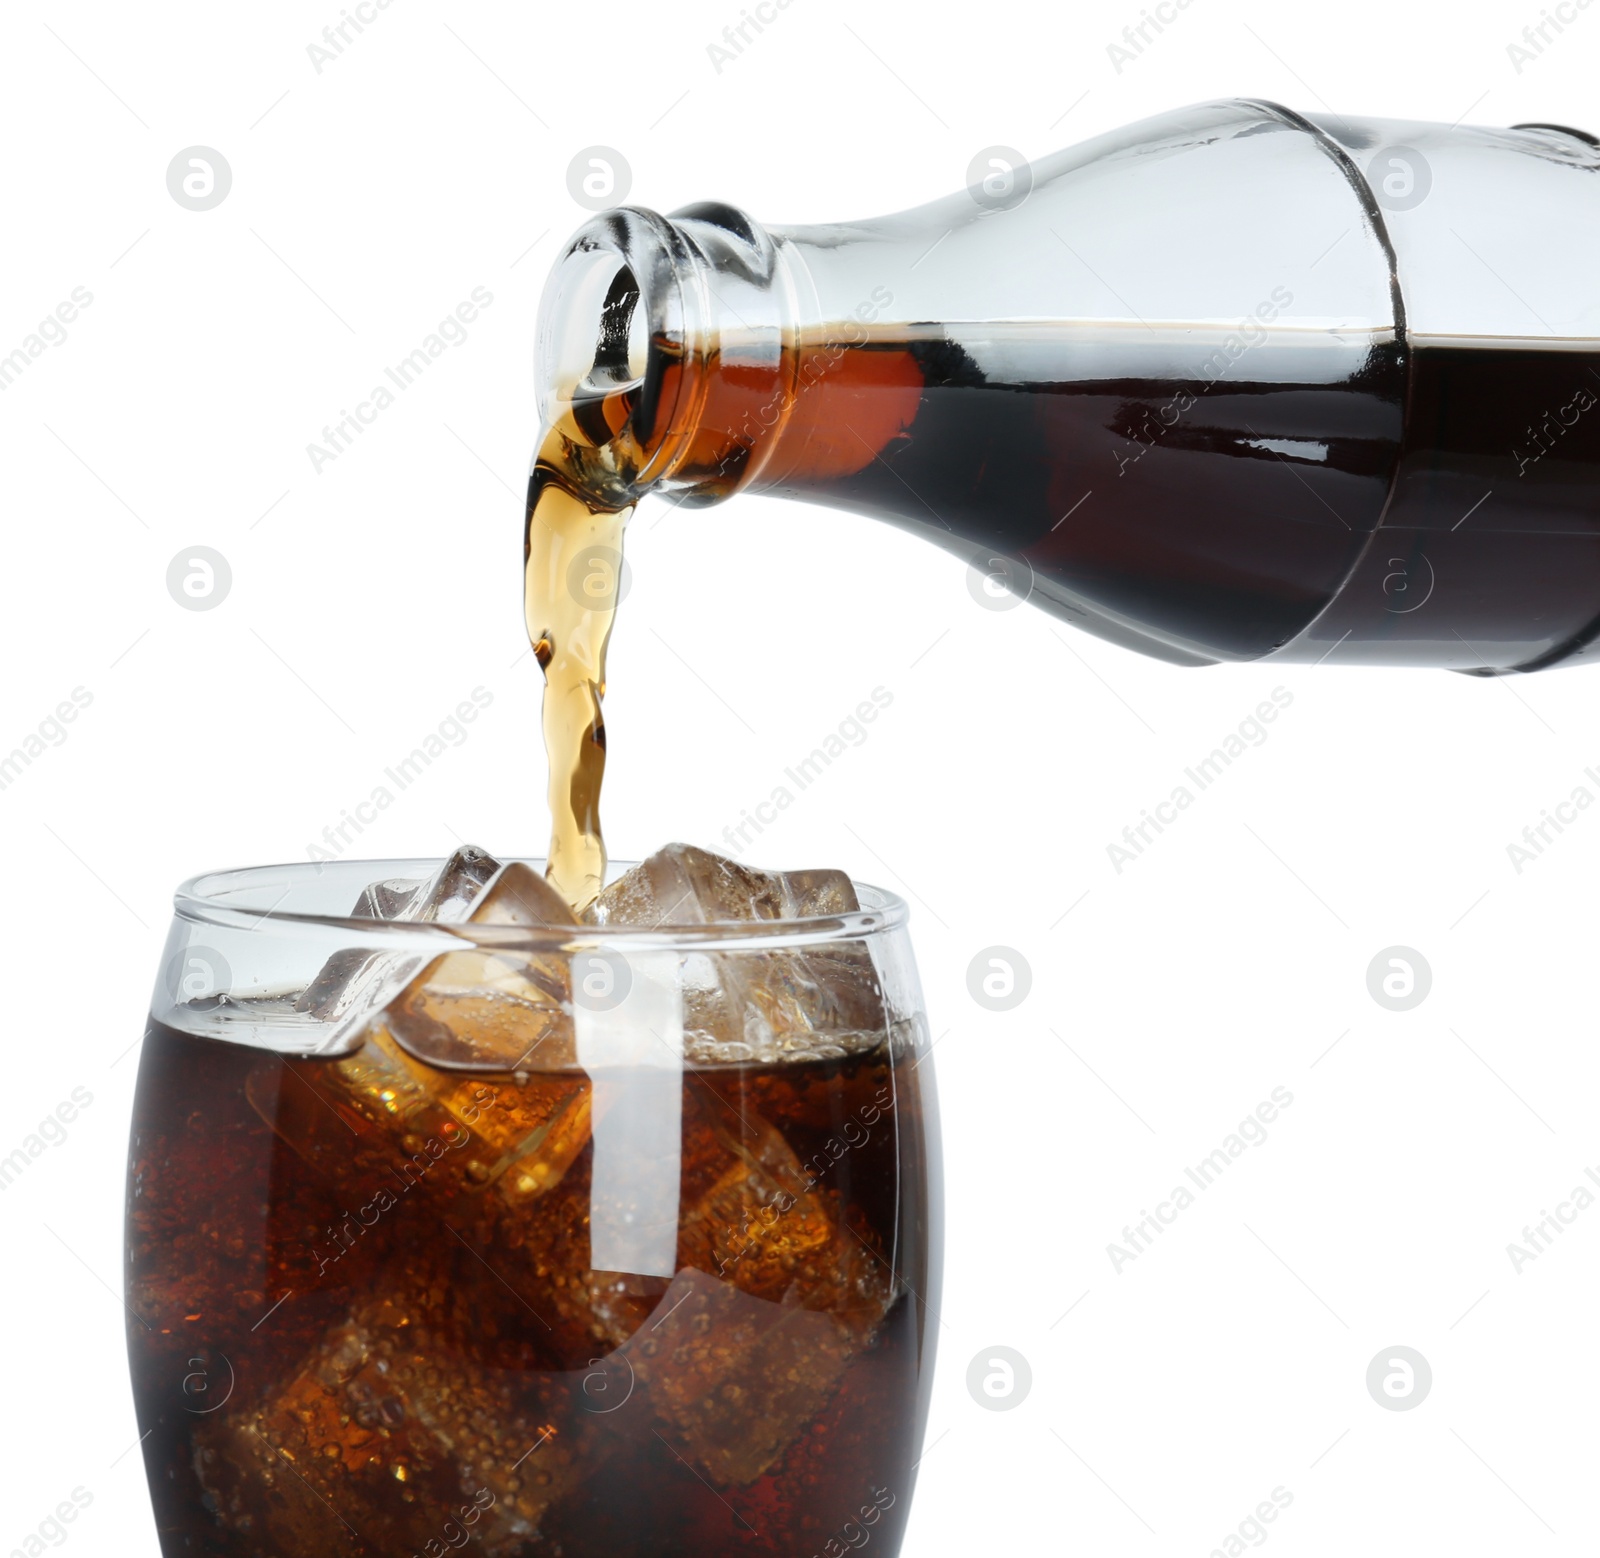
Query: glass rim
x,y
257,893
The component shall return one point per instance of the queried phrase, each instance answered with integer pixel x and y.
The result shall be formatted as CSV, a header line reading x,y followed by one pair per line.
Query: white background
x,y
430,158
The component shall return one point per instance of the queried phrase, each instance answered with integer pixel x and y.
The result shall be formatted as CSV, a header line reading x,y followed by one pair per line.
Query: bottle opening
x,y
594,336
659,337
617,363
619,353
614,325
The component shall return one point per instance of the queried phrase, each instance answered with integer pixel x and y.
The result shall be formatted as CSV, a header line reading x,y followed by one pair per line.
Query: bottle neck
x,y
667,352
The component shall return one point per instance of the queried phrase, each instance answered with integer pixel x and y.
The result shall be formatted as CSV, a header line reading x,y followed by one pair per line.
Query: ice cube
x,y
454,888
493,1008
388,1433
773,1298
386,1128
388,900
683,885
474,1007
765,1225
352,979
444,897
373,1127
736,1380
411,1112
754,1005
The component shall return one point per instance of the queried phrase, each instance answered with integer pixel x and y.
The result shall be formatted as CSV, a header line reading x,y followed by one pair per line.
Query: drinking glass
x,y
485,1235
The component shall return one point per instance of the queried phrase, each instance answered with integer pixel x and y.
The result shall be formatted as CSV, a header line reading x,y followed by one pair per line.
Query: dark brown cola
x,y
363,1319
1208,495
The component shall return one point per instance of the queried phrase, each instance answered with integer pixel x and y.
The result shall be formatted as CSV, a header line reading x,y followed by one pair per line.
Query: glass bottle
x,y
1233,383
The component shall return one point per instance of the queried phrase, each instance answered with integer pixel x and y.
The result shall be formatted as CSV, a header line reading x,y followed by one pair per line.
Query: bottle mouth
x,y
645,323
612,325
622,339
